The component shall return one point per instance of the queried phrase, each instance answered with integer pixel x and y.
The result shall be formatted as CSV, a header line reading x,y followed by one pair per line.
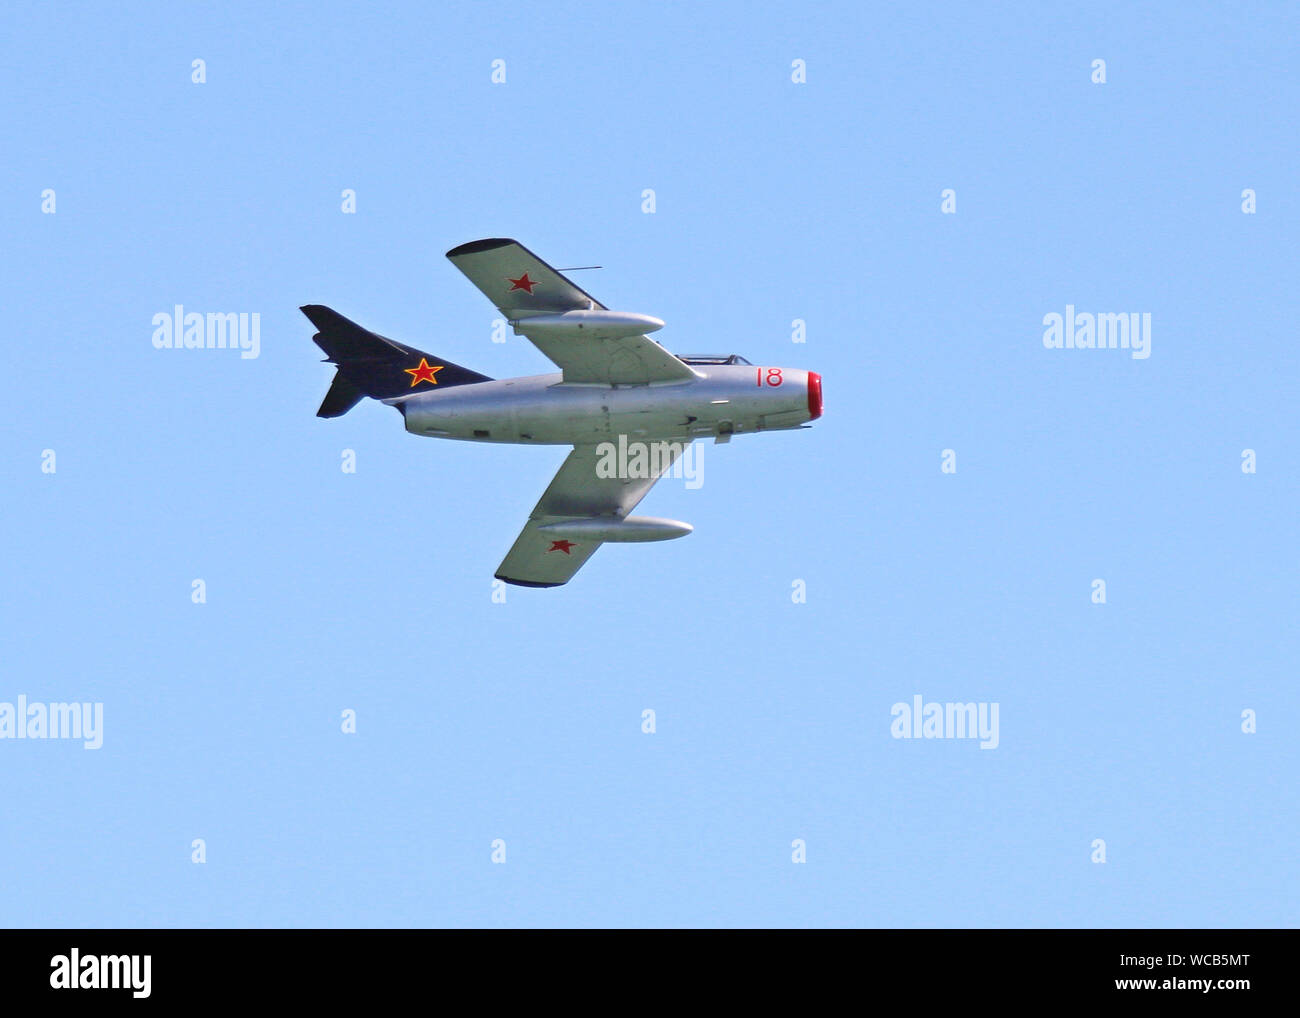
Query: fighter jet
x,y
616,387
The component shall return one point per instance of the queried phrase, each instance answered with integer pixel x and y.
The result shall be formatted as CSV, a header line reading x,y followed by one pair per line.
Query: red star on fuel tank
x,y
522,283
424,373
563,546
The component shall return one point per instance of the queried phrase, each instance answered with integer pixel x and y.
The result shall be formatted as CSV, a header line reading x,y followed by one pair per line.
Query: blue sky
x,y
522,721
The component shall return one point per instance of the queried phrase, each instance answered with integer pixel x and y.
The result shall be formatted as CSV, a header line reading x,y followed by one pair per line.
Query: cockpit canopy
x,y
711,358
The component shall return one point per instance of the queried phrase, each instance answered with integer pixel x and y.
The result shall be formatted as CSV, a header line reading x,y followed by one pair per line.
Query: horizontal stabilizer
x,y
341,398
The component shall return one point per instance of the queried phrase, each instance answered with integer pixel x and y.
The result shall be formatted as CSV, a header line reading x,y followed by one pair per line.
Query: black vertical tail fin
x,y
370,365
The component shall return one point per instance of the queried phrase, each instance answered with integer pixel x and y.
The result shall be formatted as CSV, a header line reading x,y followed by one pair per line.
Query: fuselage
x,y
543,410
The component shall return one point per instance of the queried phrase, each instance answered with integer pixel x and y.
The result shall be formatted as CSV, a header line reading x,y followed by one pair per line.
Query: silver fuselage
x,y
542,410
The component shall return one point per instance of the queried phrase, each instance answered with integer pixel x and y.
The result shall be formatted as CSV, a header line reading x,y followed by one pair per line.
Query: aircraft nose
x,y
814,395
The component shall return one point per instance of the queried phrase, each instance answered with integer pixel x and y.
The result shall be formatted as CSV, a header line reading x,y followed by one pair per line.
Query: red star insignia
x,y
563,546
424,373
522,283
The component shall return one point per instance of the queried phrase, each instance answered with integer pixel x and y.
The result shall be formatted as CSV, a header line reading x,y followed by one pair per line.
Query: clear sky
x,y
774,200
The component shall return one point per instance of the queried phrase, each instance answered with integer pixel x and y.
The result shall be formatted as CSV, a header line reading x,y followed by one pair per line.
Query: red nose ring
x,y
814,395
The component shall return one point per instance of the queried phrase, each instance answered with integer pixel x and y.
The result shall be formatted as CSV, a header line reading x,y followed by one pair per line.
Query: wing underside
x,y
522,286
578,491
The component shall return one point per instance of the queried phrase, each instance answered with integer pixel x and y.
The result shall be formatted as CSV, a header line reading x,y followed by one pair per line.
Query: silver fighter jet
x,y
616,388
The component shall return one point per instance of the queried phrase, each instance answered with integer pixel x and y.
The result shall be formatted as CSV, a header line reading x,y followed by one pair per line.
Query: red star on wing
x,y
424,373
563,546
522,283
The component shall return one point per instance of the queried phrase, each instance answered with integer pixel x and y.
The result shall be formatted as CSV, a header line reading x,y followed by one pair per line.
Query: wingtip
x,y
526,583
475,246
